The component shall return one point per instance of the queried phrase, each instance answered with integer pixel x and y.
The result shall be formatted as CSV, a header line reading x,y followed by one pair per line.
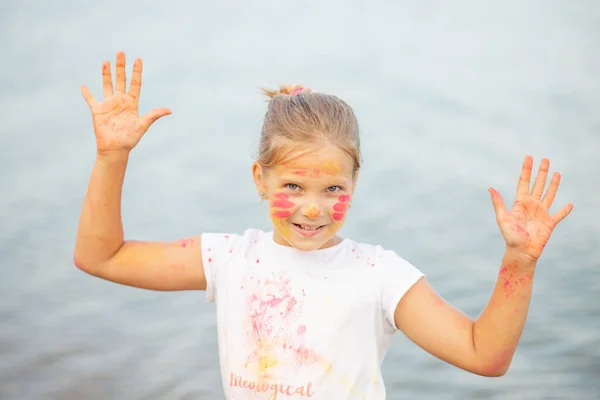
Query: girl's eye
x,y
332,189
292,186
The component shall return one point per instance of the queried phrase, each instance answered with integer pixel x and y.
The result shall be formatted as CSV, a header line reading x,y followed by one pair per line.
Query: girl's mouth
x,y
307,230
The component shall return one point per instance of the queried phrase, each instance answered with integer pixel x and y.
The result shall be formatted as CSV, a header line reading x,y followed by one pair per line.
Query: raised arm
x,y
100,248
486,346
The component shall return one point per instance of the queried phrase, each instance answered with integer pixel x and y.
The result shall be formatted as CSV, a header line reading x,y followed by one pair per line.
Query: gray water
x,y
450,96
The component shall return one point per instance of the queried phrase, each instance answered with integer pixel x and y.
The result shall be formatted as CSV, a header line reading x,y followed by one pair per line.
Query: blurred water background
x,y
450,96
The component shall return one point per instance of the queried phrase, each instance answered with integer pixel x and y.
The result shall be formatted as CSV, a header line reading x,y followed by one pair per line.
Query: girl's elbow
x,y
83,265
77,261
494,369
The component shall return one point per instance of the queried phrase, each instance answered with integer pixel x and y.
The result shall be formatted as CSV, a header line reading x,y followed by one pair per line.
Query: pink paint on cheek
x,y
282,201
337,216
282,214
341,207
283,204
301,329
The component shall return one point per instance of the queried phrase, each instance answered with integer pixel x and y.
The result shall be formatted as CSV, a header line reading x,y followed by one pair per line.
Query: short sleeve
x,y
216,250
397,276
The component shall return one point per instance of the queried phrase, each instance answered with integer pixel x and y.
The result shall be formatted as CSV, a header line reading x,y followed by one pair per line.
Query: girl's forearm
x,y
100,232
497,331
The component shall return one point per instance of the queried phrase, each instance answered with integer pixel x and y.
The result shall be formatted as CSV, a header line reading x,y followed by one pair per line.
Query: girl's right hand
x,y
117,124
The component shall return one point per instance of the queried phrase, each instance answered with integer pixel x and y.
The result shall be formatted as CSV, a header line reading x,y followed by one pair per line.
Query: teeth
x,y
307,228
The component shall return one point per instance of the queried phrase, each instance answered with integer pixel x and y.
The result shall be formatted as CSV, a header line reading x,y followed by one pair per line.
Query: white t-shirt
x,y
294,324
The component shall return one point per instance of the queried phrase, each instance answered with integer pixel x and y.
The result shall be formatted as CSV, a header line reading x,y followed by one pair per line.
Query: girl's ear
x,y
354,182
258,173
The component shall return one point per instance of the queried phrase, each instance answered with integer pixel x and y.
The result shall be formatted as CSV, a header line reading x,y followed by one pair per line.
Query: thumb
x,y
498,203
152,116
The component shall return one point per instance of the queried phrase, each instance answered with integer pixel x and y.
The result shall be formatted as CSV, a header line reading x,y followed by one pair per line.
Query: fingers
x,y
540,180
121,75
498,203
523,185
136,79
106,79
562,213
152,116
548,198
87,96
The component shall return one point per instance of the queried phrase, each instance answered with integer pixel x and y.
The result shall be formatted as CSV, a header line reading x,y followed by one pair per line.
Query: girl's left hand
x,y
528,225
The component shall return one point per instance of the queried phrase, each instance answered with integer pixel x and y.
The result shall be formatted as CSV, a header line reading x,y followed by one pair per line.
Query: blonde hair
x,y
297,118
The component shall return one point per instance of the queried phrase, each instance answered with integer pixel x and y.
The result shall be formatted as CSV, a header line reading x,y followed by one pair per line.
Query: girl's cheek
x,y
282,214
340,207
281,205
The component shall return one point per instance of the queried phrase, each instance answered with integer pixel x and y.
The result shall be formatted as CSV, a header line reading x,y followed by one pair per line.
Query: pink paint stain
x,y
518,229
282,214
186,242
512,281
439,301
337,216
283,204
273,312
340,207
282,201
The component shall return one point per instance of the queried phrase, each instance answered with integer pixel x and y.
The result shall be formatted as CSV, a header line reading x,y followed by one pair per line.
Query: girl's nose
x,y
312,211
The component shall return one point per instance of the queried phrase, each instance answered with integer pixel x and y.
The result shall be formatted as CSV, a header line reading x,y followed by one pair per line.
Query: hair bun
x,y
290,90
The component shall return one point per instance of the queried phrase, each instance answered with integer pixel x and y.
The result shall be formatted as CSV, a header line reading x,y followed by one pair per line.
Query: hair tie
x,y
297,91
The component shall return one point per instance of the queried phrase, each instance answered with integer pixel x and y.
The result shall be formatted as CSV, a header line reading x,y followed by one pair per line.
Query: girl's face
x,y
308,197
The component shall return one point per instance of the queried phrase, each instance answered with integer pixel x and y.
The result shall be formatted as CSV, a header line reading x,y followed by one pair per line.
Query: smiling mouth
x,y
308,231
309,228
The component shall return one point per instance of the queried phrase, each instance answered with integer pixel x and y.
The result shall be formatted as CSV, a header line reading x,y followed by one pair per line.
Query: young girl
x,y
302,312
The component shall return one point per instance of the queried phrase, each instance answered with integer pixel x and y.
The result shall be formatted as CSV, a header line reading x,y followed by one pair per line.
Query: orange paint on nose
x,y
312,211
